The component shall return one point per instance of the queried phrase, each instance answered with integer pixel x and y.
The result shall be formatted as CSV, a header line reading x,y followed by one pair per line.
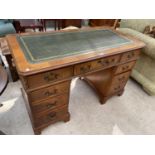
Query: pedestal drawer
x,y
125,67
129,56
51,117
41,79
119,82
50,91
51,103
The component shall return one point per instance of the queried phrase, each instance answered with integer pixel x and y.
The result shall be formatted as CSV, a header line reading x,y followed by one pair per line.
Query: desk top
x,y
43,47
38,51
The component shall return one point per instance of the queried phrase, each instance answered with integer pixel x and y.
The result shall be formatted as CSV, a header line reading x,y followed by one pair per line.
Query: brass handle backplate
x,y
121,78
85,68
125,67
117,88
130,55
106,62
50,105
51,76
51,116
48,93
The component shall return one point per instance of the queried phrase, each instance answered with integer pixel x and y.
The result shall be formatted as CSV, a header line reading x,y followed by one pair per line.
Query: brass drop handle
x,y
121,78
51,115
107,62
130,55
113,60
48,93
117,88
125,67
85,68
101,62
51,76
50,105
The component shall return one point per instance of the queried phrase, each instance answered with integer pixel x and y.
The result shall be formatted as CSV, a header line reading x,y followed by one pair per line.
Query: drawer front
x,y
107,62
125,67
41,79
119,82
84,68
132,55
51,117
92,65
50,104
47,92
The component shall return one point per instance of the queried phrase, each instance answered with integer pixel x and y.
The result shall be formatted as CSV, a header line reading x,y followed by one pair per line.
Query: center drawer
x,y
41,79
48,92
97,64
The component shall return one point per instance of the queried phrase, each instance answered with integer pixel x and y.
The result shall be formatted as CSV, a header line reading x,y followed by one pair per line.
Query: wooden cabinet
x,y
104,22
62,23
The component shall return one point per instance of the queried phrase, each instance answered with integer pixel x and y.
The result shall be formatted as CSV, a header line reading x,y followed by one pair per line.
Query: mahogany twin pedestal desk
x,y
47,62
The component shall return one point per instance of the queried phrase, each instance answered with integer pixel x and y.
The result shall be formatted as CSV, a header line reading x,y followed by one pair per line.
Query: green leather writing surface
x,y
48,46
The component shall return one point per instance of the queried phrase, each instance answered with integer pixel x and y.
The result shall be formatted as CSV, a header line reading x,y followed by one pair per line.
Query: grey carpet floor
x,y
132,113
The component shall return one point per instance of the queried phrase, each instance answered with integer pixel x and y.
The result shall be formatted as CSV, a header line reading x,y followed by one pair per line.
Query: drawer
x,y
50,91
92,65
84,68
50,104
41,79
51,117
107,62
116,88
119,82
121,78
128,56
125,67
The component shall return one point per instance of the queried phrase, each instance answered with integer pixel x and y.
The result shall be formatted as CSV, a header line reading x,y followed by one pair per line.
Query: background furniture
x,y
62,23
104,22
144,71
44,22
22,24
46,80
6,52
6,27
3,79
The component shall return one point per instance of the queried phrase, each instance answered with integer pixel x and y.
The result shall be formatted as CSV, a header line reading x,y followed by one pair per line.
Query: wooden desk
x,y
47,62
